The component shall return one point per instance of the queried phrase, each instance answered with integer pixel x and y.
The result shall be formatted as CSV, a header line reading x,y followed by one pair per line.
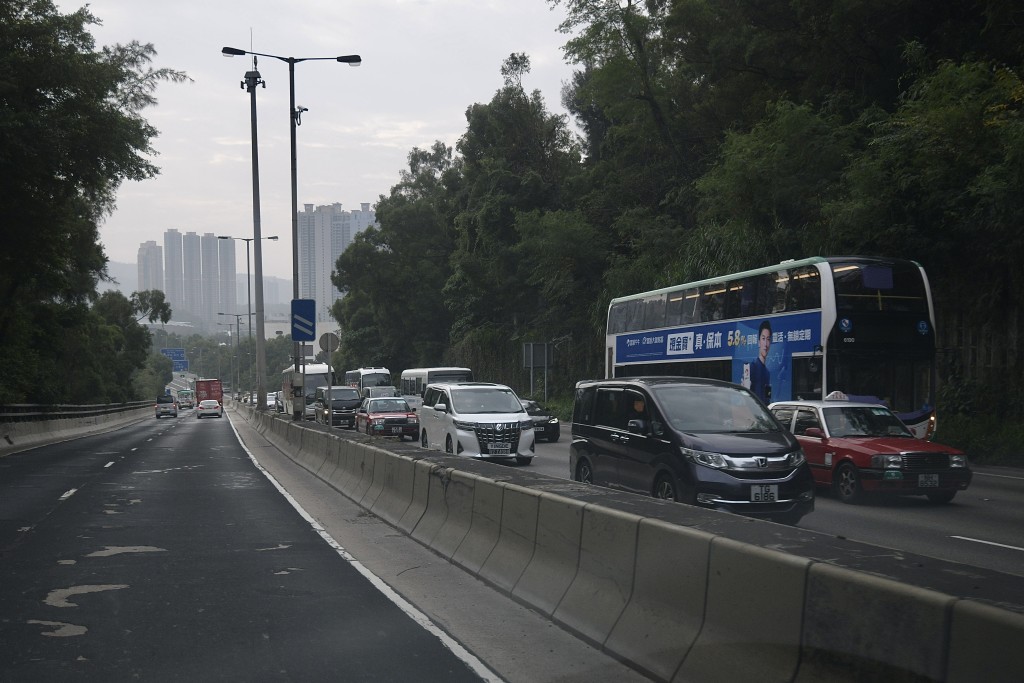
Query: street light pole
x,y
238,348
294,116
260,352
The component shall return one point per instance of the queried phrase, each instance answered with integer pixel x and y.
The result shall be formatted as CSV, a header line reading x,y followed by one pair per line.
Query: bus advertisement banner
x,y
761,349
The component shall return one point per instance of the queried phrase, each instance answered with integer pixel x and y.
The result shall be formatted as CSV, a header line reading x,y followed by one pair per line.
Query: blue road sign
x,y
174,354
179,365
303,320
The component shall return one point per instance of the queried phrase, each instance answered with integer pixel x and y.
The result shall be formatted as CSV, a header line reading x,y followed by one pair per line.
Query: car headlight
x,y
714,460
413,420
796,458
378,420
889,461
958,461
469,426
553,421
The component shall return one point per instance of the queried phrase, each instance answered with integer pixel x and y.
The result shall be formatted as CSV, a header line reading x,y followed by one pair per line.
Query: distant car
x,y
209,408
278,403
336,406
379,392
271,398
545,424
388,417
166,406
856,448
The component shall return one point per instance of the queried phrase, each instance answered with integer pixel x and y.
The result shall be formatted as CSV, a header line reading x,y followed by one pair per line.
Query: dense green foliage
x,y
704,136
70,132
714,136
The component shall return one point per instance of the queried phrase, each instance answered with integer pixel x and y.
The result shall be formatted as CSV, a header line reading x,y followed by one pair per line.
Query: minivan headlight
x,y
714,460
957,461
461,424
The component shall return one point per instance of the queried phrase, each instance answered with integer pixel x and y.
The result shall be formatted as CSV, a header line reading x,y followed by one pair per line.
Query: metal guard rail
x,y
28,412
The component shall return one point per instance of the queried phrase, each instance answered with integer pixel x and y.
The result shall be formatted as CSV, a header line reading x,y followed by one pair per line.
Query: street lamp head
x,y
351,60
272,238
231,51
224,237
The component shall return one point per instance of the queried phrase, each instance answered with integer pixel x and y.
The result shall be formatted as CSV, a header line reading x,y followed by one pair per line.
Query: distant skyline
x,y
424,62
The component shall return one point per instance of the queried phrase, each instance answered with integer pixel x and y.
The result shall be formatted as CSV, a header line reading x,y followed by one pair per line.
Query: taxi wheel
x,y
847,483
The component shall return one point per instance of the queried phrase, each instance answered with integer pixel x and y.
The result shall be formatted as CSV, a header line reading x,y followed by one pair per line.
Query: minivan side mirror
x,y
441,407
635,427
814,432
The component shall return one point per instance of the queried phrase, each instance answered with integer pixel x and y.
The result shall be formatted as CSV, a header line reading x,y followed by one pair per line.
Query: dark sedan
x,y
545,424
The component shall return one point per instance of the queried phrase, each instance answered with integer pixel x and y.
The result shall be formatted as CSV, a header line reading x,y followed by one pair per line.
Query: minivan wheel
x,y
584,472
423,439
448,447
847,483
665,488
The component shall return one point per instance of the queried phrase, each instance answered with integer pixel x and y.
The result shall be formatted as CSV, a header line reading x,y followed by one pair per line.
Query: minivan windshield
x,y
485,400
713,409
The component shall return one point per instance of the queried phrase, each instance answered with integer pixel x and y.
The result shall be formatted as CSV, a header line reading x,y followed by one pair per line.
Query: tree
x,y
152,304
71,132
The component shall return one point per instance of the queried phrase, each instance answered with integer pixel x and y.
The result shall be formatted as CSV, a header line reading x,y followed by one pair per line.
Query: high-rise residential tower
x,y
325,232
151,267
174,283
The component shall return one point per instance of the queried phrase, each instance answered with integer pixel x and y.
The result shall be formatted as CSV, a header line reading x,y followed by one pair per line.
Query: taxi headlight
x,y
889,461
957,461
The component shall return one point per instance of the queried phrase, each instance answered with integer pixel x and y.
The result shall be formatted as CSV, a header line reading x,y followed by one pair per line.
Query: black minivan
x,y
698,441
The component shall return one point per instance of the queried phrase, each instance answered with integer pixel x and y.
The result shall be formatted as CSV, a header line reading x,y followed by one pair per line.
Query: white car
x,y
209,408
478,420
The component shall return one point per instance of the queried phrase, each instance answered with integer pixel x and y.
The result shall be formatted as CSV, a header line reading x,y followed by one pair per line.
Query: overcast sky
x,y
423,63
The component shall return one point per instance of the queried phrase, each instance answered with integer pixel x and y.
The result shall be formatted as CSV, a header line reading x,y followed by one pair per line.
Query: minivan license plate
x,y
498,449
764,493
928,480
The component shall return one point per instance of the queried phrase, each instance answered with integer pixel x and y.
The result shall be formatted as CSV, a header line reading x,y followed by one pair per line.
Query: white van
x,y
478,420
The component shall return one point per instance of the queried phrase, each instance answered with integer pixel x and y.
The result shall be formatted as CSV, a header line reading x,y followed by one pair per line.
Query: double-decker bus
x,y
368,377
801,329
298,387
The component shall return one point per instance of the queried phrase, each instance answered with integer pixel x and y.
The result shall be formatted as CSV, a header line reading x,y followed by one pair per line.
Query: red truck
x,y
209,389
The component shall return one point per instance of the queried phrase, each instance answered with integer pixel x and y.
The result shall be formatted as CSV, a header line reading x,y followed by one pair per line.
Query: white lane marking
x,y
119,550
108,464
478,667
998,476
61,630
59,597
978,540
68,494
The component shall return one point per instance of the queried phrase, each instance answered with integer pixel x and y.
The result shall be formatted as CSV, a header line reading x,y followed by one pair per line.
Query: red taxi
x,y
857,448
388,416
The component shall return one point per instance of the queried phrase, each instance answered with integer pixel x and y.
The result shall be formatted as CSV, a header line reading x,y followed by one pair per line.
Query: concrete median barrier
x,y
986,644
397,493
753,616
485,525
556,554
855,621
604,577
678,603
666,611
517,536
